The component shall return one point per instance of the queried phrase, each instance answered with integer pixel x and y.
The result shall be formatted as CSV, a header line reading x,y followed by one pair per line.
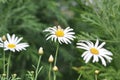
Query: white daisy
x,y
13,43
62,35
96,51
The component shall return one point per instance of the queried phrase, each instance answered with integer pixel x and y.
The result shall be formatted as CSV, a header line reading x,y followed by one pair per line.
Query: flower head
x,y
13,43
96,51
62,35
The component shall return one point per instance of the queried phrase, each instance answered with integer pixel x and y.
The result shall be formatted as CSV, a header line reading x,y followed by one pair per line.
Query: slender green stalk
x,y
8,65
40,69
37,69
49,74
56,54
3,60
96,77
32,78
54,75
79,77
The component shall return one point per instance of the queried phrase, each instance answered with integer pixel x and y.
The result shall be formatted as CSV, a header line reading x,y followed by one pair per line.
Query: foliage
x,y
102,21
90,20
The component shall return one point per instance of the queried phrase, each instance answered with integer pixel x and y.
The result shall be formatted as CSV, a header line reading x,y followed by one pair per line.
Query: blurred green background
x,y
90,19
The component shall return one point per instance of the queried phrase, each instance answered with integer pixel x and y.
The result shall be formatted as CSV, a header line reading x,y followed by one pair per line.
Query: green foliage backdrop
x,y
28,18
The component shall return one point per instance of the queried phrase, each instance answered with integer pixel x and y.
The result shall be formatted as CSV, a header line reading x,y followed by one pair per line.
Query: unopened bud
x,y
32,72
14,75
51,59
97,71
4,75
55,68
40,51
3,38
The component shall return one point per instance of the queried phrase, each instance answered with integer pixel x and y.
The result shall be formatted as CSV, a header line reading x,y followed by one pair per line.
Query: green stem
x,y
3,59
8,65
38,65
54,75
56,54
32,77
96,77
49,75
40,69
79,77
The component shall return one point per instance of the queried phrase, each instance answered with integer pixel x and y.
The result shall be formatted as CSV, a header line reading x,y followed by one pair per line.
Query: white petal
x,y
96,44
89,43
81,47
16,38
13,50
95,58
21,46
60,41
84,53
13,38
55,39
105,51
68,29
70,33
19,40
50,29
1,39
69,37
102,44
103,60
50,37
107,57
67,40
9,38
88,58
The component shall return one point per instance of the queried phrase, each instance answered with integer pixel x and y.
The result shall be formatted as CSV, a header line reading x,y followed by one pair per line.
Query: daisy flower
x,y
96,51
62,35
13,43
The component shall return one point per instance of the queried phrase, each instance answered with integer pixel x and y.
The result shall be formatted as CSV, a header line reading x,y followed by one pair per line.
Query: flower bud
x,y
55,68
3,38
32,72
14,75
97,71
40,51
4,75
51,59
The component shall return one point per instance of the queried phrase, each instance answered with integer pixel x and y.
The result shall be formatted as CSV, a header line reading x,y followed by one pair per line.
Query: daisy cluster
x,y
60,35
12,43
93,51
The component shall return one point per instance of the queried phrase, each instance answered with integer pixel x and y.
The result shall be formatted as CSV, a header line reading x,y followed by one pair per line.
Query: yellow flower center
x,y
59,33
94,51
11,45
